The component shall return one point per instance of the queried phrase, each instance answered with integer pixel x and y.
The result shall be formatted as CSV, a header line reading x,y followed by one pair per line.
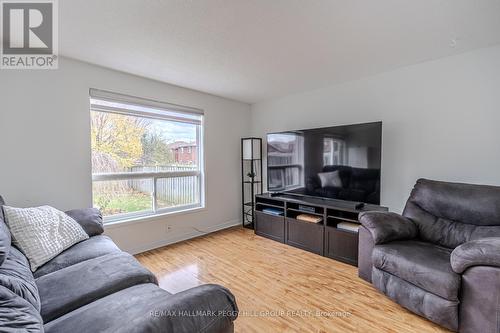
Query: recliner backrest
x,y
450,214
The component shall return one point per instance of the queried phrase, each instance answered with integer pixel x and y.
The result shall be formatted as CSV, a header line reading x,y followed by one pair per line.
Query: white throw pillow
x,y
330,179
42,232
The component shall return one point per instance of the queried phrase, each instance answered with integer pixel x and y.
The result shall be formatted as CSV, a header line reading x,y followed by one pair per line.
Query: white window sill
x,y
148,218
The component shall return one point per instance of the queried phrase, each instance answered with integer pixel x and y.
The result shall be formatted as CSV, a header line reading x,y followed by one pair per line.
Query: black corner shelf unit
x,y
323,237
251,178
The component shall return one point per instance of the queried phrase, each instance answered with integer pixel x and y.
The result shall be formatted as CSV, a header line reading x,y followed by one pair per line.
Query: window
x,y
137,165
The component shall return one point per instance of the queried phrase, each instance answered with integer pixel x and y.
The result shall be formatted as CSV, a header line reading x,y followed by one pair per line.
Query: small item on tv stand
x,y
349,226
276,194
309,218
359,205
273,211
307,209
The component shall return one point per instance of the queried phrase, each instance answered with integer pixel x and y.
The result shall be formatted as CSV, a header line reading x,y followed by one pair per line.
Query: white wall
x,y
45,146
441,119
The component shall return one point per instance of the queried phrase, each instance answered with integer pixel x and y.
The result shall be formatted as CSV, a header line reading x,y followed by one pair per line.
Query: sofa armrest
x,y
206,308
17,314
480,252
90,219
386,227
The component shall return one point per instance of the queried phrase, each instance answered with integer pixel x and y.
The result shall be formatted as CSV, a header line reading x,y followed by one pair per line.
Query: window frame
x,y
154,176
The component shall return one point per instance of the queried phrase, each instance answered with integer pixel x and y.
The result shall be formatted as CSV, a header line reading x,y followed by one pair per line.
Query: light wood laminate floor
x,y
279,288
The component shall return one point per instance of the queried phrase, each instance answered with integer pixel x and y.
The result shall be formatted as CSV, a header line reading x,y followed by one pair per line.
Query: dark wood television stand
x,y
323,238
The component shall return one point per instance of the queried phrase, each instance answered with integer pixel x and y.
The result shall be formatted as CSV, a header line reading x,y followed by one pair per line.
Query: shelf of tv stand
x,y
323,238
342,218
304,212
269,205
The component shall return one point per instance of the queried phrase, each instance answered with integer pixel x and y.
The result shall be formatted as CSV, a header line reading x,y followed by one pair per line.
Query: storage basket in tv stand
x,y
323,238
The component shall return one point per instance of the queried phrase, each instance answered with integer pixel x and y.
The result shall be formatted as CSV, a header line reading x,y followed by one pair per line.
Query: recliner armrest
x,y
480,252
386,226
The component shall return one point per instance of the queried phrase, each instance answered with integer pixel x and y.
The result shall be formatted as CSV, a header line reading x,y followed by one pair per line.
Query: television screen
x,y
340,162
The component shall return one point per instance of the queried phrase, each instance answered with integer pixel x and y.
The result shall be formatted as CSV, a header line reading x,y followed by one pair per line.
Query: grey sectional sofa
x,y
95,287
441,258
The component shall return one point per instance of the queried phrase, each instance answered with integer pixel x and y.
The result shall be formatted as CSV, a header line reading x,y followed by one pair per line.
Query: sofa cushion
x,y
422,264
91,248
42,232
90,219
147,308
331,178
15,275
109,314
344,173
69,288
439,310
132,305
18,315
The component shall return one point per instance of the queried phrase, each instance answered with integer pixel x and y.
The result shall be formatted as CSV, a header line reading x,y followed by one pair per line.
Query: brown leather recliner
x,y
441,258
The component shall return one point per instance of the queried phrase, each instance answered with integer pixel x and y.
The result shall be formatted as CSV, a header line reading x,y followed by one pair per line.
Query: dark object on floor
x,y
441,258
95,287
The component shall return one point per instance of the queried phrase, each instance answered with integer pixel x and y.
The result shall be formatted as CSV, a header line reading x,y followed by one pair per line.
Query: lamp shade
x,y
251,148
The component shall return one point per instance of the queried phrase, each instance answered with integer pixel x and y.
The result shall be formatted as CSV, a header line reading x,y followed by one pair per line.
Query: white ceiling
x,y
254,50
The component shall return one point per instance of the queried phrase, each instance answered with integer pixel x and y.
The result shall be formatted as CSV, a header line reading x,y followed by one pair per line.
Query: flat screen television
x,y
339,162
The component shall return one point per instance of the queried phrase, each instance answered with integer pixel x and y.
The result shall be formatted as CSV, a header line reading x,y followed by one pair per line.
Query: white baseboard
x,y
182,237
